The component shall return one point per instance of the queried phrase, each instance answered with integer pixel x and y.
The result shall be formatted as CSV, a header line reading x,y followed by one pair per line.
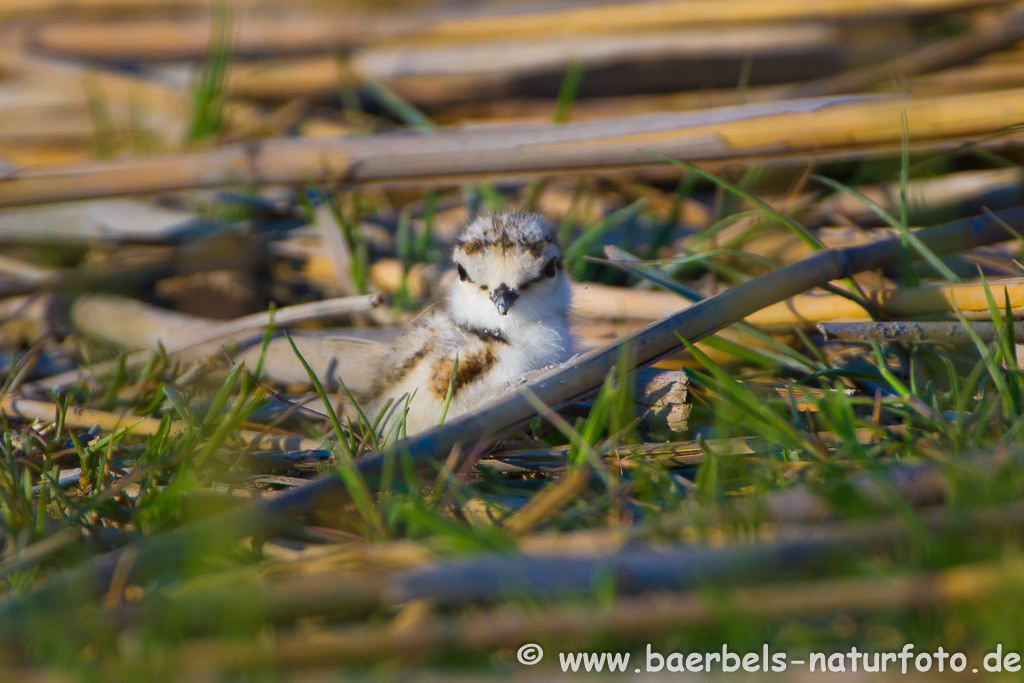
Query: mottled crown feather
x,y
506,231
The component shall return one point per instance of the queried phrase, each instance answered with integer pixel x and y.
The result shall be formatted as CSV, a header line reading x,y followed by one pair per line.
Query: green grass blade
x,y
568,91
797,229
208,95
402,110
451,390
351,476
920,247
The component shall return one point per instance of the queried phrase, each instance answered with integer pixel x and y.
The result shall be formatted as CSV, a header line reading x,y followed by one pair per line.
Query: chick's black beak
x,y
503,297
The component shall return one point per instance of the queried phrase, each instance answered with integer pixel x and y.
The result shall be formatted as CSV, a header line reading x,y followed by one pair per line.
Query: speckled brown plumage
x,y
470,367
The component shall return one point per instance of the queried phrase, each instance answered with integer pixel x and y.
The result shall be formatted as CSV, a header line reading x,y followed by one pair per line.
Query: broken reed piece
x,y
817,126
585,374
912,331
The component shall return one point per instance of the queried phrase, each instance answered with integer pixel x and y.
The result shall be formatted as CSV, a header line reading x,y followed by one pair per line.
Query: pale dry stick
x,y
212,331
795,126
25,409
634,618
568,383
996,33
912,331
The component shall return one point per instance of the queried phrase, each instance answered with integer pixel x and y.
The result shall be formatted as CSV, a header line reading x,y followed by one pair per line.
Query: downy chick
x,y
505,316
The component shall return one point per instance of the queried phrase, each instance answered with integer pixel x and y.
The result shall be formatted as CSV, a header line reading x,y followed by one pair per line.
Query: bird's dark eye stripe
x,y
463,275
551,268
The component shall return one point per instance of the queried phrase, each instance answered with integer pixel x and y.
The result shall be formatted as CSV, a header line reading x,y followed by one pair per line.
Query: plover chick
x,y
505,316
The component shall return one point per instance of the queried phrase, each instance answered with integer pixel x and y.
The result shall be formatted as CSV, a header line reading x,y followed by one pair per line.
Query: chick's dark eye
x,y
550,268
463,275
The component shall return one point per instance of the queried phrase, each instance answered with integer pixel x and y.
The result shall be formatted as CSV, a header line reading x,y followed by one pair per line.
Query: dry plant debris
x,y
795,422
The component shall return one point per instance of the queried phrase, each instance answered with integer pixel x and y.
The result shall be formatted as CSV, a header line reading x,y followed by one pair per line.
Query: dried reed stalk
x,y
801,126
